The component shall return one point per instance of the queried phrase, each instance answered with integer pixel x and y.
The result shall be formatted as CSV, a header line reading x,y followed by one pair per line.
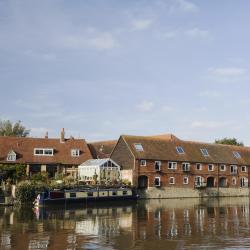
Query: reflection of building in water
x,y
149,222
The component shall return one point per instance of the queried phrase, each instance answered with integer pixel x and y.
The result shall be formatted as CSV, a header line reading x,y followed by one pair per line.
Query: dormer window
x,y
204,152
236,154
11,156
44,151
180,150
75,152
138,147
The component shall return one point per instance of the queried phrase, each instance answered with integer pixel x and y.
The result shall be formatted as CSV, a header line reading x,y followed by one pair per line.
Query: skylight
x,y
180,150
236,154
138,147
204,152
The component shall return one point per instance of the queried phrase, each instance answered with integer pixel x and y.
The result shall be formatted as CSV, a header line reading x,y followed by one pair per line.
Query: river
x,y
146,224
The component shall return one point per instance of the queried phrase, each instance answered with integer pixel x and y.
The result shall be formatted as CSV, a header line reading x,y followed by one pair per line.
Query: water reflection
x,y
165,224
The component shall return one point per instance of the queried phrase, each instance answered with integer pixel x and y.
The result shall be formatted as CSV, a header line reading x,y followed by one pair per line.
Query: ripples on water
x,y
151,224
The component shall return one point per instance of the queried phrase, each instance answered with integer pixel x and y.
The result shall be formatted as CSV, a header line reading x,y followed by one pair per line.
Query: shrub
x,y
27,191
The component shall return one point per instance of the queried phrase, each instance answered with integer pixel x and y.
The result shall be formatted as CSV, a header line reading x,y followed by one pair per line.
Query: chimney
x,y
46,135
62,138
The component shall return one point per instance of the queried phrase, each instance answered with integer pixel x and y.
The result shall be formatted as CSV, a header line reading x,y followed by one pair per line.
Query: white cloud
x,y
228,71
141,24
187,6
208,124
98,40
167,109
210,94
145,106
184,6
169,34
197,33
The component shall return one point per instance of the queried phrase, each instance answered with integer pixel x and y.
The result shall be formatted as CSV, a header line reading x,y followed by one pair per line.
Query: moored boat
x,y
84,195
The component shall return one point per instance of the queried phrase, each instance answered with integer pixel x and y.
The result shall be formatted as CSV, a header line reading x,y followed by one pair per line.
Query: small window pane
x,y
138,147
180,150
204,152
236,154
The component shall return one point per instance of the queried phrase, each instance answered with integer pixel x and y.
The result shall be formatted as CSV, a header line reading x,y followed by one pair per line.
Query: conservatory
x,y
99,171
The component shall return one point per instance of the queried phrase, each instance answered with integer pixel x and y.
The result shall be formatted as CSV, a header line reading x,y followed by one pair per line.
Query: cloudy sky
x,y
101,68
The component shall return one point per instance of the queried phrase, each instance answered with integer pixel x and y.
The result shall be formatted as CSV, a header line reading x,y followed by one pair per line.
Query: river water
x,y
150,224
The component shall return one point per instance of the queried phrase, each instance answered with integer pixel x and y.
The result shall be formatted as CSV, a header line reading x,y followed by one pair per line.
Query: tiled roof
x,y
164,148
24,148
102,149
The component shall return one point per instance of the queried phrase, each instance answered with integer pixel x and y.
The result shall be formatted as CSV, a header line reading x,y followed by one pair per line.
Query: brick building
x,y
165,161
50,155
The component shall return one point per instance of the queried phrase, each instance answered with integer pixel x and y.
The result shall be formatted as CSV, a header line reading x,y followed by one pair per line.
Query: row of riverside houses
x,y
49,155
160,166
165,166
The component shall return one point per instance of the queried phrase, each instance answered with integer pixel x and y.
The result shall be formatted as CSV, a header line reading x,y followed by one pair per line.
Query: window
x,y
172,165
138,147
222,167
75,152
11,156
243,168
233,169
44,151
72,195
185,180
236,154
114,193
157,181
204,152
180,150
198,166
210,167
234,181
124,192
185,167
143,163
172,180
90,194
157,165
198,181
243,182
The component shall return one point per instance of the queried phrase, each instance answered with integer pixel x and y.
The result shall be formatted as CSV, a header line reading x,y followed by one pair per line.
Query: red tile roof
x,y
102,149
24,148
164,148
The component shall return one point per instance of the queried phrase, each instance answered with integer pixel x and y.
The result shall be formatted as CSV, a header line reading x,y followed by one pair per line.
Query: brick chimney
x,y
62,138
46,135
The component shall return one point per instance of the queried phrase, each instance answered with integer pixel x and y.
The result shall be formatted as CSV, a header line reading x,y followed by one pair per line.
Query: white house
x,y
101,170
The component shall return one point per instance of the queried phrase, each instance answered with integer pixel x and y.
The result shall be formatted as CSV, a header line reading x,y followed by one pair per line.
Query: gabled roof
x,y
24,148
97,162
102,149
164,148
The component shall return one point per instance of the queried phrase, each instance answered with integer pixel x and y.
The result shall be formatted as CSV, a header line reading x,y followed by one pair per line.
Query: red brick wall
x,y
165,174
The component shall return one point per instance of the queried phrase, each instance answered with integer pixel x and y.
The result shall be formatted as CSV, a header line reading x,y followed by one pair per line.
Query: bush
x,y
42,177
27,191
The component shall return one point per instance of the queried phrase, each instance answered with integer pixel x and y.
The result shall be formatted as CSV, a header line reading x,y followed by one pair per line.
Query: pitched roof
x,y
102,149
164,148
97,162
24,148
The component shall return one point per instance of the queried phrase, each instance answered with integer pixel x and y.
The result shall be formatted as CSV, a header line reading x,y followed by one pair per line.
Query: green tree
x,y
229,141
7,128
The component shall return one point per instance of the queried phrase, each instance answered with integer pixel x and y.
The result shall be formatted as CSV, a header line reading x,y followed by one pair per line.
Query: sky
x,y
102,68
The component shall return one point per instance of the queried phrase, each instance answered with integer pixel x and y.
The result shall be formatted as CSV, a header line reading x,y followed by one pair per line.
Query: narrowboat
x,y
84,195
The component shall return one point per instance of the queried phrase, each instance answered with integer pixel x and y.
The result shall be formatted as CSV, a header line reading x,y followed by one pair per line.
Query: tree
x,y
7,128
229,141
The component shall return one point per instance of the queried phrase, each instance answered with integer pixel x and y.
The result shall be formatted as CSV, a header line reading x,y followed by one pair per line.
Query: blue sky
x,y
101,68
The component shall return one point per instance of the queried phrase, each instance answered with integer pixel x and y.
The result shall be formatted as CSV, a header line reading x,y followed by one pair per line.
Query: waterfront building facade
x,y
51,155
165,166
